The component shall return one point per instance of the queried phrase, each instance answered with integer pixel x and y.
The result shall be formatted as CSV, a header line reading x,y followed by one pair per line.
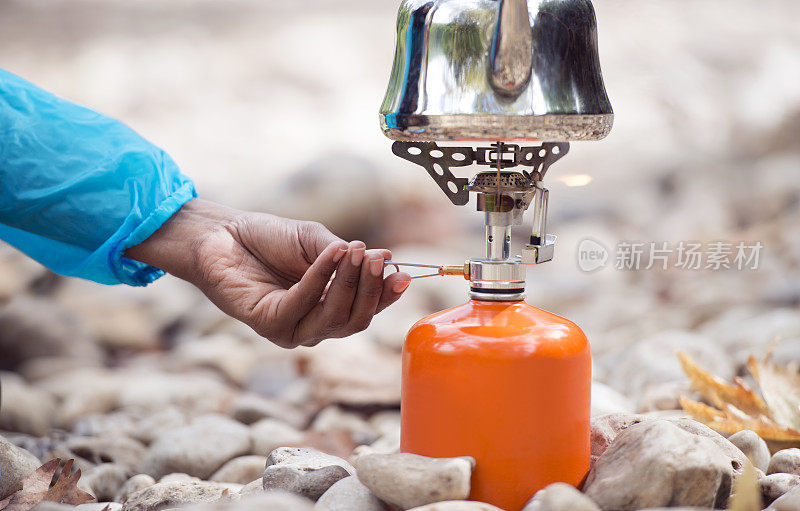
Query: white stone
x,y
173,494
132,485
560,497
653,361
408,480
269,434
753,446
120,450
98,506
241,470
250,408
349,494
457,505
47,330
105,480
26,409
786,460
198,449
790,501
306,472
193,393
355,371
333,418
657,463
775,485
262,501
606,400
15,465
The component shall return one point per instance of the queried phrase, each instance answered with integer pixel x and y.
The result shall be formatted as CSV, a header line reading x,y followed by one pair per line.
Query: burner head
x,y
496,70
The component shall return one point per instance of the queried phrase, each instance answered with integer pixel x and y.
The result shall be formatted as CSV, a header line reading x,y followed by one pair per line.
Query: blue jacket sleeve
x,y
78,188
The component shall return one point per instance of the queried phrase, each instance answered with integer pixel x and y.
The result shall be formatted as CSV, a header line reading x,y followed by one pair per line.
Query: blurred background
x,y
273,106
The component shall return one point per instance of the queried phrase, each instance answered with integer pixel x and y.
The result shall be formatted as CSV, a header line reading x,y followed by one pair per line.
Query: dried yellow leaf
x,y
781,389
775,417
730,423
720,393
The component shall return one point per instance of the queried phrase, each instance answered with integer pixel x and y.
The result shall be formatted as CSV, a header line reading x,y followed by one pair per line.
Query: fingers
x,y
353,297
393,288
370,288
331,318
303,296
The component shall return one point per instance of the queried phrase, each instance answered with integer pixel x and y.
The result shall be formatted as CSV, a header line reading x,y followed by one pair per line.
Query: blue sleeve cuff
x,y
78,188
133,272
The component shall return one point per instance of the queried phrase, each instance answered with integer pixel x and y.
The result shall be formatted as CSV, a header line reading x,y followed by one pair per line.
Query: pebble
x,y
333,418
241,470
192,393
26,409
560,497
98,506
172,494
657,463
117,316
118,449
132,485
349,494
606,400
408,480
15,465
663,396
229,355
306,472
788,502
48,330
255,486
268,434
356,372
786,460
737,459
79,394
457,505
47,505
154,424
652,360
198,449
776,485
179,477
249,408
262,501
605,428
386,422
753,446
105,480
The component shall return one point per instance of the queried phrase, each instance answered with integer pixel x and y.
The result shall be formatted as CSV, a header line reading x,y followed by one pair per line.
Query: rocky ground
x,y
162,400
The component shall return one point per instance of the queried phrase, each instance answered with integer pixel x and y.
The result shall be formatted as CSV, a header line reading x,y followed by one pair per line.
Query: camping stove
x,y
501,71
523,77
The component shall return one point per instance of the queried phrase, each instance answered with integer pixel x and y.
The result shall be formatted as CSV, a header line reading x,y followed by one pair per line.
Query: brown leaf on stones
x,y
775,417
37,487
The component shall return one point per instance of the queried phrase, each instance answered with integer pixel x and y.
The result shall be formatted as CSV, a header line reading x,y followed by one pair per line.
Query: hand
x,y
273,273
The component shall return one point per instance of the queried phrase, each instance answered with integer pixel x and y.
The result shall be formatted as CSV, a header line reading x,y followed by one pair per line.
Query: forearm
x,y
175,246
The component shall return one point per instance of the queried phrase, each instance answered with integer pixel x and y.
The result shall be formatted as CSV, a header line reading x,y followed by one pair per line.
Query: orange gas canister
x,y
505,383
